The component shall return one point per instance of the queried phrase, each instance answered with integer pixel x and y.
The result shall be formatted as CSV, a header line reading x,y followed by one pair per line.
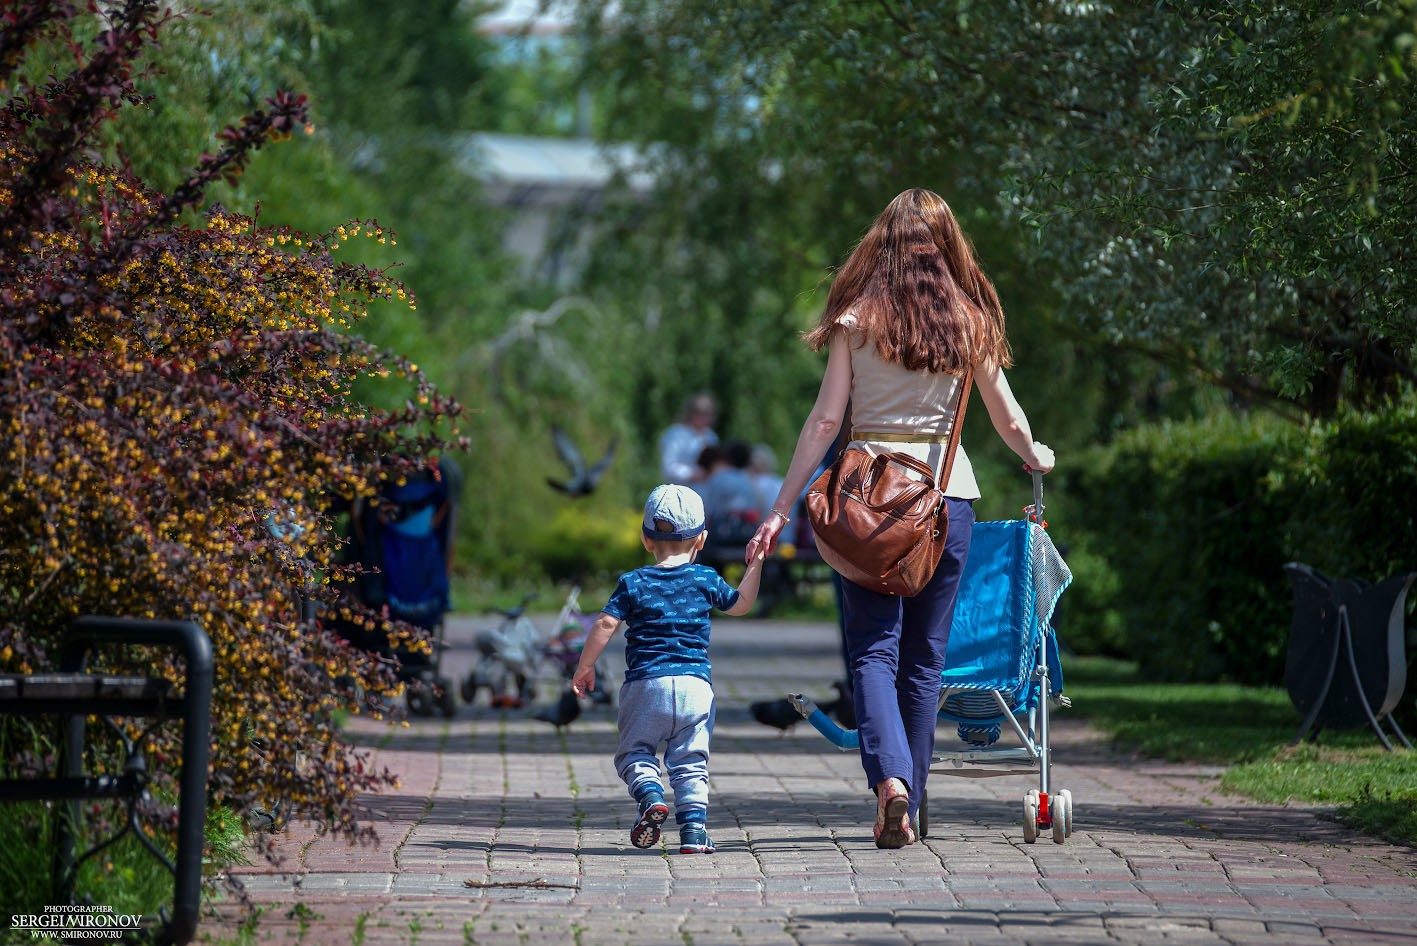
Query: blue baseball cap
x,y
677,505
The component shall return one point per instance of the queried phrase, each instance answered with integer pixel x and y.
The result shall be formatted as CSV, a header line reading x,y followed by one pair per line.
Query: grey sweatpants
x,y
676,711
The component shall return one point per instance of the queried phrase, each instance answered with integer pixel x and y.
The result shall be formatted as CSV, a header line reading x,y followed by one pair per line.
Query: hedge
x,y
1180,532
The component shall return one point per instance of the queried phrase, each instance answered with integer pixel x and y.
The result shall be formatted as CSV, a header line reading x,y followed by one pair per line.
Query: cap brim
x,y
677,536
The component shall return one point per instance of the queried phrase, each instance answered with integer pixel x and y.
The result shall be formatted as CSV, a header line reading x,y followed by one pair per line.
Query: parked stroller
x,y
511,656
565,646
1002,668
507,660
401,540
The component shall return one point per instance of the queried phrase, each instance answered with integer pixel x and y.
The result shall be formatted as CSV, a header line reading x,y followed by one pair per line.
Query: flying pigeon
x,y
583,479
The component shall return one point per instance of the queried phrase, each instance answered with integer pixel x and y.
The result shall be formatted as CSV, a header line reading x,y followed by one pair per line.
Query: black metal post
x,y
196,700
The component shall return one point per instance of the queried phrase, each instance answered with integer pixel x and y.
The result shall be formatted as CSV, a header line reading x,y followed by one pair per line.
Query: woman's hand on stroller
x,y
1042,460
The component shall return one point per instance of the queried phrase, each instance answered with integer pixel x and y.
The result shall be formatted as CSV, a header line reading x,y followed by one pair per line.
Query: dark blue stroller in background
x,y
403,540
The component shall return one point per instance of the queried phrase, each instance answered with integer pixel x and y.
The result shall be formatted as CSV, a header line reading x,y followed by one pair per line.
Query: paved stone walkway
x,y
506,831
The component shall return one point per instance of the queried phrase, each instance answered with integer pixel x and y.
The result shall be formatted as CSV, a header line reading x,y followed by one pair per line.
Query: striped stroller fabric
x,y
1011,585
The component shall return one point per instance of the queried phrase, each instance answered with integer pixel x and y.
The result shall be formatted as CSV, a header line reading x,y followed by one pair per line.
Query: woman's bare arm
x,y
1009,419
818,432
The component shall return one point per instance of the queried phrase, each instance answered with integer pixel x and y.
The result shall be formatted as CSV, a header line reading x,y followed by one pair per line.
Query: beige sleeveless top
x,y
888,398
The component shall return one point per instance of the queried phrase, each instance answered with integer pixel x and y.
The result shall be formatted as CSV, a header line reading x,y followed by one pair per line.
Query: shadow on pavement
x,y
840,811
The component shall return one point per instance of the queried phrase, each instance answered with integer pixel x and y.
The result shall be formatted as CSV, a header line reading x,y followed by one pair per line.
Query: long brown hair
x,y
916,290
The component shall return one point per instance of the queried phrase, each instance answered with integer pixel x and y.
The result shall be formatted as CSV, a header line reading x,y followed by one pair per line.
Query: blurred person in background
x,y
683,441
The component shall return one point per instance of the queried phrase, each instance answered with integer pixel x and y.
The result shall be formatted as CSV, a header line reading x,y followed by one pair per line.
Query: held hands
x,y
1043,459
764,541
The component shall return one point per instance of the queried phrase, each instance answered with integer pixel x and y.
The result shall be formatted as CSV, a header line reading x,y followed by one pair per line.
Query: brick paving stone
x,y
537,822
1297,930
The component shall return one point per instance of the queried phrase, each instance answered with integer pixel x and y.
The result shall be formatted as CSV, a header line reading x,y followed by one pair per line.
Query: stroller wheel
x,y
447,703
420,698
1030,817
1067,799
922,817
1059,803
468,689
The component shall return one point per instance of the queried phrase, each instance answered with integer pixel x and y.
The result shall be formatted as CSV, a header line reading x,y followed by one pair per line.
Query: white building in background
x,y
552,186
527,17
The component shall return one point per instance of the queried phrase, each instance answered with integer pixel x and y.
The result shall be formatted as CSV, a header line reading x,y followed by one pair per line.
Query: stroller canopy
x,y
1011,584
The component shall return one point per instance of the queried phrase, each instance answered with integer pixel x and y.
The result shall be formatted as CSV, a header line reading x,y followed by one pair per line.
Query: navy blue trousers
x,y
897,651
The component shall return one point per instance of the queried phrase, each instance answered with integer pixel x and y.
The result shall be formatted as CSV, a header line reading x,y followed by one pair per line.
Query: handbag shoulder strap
x,y
955,428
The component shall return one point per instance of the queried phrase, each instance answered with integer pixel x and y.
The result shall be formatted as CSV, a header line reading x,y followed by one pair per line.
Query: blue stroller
x,y
415,517
402,540
1002,668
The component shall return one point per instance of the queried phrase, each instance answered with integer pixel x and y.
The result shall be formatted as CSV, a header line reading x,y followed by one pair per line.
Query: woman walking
x,y
909,316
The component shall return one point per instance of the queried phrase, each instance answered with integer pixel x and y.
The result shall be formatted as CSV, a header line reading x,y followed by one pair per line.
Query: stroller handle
x,y
1035,512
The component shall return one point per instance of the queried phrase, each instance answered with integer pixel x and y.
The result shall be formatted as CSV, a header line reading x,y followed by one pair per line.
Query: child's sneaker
x,y
653,811
694,839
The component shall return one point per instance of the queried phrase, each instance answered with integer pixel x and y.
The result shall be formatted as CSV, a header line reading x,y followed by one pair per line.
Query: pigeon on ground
x,y
584,479
780,714
563,712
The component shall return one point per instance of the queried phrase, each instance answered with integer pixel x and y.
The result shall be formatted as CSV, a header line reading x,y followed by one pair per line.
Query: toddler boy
x,y
667,695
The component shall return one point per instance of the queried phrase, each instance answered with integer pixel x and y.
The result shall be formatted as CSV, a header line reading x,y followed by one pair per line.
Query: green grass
x,y
1249,729
124,876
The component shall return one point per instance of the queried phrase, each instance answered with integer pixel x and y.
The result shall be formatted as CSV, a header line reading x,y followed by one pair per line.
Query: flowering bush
x,y
178,422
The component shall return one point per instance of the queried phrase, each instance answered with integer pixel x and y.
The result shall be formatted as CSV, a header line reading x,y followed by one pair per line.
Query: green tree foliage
x,y
390,88
1221,186
178,415
393,90
215,61
773,134
401,87
1221,189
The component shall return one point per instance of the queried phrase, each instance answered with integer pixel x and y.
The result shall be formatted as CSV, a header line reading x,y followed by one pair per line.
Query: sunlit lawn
x,y
1250,730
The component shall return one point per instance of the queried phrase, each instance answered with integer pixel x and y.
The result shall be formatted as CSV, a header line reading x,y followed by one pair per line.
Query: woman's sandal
x,y
893,815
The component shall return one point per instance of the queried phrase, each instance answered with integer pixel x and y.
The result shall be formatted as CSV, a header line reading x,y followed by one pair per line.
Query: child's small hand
x,y
761,545
583,681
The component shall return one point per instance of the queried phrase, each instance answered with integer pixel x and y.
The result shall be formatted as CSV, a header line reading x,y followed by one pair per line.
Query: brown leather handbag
x,y
878,526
